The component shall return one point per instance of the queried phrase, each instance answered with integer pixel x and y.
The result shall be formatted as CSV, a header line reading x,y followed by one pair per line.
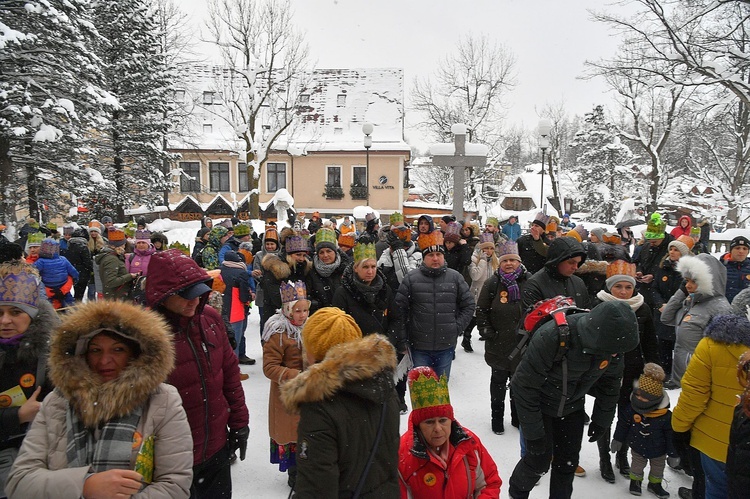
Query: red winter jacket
x,y
206,371
679,231
421,475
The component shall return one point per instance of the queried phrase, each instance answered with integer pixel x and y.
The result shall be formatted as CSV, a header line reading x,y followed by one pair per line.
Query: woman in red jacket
x,y
438,458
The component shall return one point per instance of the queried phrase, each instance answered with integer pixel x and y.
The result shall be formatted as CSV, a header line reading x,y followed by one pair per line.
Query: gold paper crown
x,y
620,267
434,238
293,291
611,238
428,391
364,251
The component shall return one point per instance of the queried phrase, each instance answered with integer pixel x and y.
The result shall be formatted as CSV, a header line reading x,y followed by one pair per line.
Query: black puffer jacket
x,y
320,289
666,283
432,307
503,318
458,258
79,256
548,283
370,317
647,262
589,368
533,252
738,455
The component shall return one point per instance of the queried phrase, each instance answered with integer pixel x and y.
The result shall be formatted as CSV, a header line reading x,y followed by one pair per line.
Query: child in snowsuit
x,y
648,430
57,273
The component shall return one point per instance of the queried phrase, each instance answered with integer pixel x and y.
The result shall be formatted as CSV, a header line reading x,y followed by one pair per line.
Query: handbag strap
x,y
366,471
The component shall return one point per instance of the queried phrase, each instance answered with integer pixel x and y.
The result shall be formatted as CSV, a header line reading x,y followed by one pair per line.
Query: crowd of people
x,y
564,312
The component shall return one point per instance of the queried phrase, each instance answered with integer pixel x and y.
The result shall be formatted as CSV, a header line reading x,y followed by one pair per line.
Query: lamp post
x,y
367,129
544,129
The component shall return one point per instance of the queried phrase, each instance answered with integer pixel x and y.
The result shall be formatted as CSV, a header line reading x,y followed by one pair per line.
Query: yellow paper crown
x,y
364,251
428,390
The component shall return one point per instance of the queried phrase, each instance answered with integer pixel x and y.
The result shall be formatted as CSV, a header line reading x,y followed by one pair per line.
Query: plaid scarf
x,y
112,450
509,281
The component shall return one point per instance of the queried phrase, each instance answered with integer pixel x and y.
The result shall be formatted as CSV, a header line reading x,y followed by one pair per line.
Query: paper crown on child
x,y
655,227
364,251
486,240
429,395
292,291
430,242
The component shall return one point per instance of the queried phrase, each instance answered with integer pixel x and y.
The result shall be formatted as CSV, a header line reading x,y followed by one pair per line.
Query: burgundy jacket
x,y
206,371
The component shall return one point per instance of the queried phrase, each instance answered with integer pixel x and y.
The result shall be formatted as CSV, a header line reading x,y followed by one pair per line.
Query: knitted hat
x,y
143,235
598,232
50,248
541,220
695,231
620,270
346,241
610,238
552,224
293,291
271,234
324,238
684,244
648,394
106,219
453,232
327,327
431,242
296,244
35,239
20,287
95,226
739,241
655,227
579,233
116,237
429,395
241,230
364,251
507,250
486,240
68,230
492,221
448,218
396,219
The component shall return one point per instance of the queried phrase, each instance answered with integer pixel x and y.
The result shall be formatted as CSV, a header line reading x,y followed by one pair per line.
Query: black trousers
x,y
212,478
564,443
470,328
498,387
665,355
79,288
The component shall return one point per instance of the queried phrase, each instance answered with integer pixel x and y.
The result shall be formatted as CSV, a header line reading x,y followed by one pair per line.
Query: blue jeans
x,y
716,477
239,334
438,360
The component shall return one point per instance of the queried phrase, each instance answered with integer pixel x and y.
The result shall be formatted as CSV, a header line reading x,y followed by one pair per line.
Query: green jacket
x,y
116,280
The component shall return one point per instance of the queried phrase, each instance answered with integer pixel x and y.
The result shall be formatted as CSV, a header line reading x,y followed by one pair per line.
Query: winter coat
x,y
79,256
370,317
548,283
432,307
738,276
469,472
690,315
320,289
282,361
512,231
42,470
458,258
210,255
667,282
138,260
647,261
231,244
650,434
257,266
116,281
55,271
679,231
610,252
395,265
501,317
738,455
533,252
278,268
589,367
340,401
206,372
17,362
593,273
480,269
710,386
236,297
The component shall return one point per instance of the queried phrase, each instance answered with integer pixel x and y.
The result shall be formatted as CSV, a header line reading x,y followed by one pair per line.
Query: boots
x,y
685,493
498,428
466,344
635,487
621,461
605,468
656,489
292,472
605,465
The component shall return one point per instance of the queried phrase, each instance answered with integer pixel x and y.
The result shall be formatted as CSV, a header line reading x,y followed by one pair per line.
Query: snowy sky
x,y
551,40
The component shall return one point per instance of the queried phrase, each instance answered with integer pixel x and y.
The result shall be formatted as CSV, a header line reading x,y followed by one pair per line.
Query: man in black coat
x,y
532,247
557,277
652,252
79,256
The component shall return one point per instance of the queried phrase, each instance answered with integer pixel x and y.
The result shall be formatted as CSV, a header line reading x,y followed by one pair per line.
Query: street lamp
x,y
367,129
544,129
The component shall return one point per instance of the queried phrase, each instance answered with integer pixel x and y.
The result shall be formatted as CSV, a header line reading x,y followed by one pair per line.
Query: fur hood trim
x,y
707,272
345,363
732,329
35,343
94,400
592,267
276,266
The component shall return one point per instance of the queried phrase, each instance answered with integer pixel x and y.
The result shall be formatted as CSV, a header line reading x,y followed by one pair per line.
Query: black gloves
x,y
683,288
238,441
488,334
394,242
681,442
596,432
536,447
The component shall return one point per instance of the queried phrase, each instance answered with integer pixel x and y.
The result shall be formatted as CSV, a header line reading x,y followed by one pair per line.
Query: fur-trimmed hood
x,y
741,302
94,400
709,274
281,269
593,267
35,342
363,368
732,329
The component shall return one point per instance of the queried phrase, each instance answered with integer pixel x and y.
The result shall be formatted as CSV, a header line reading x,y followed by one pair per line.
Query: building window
x,y
333,176
242,176
275,176
219,177
208,128
304,99
190,180
341,100
208,98
359,175
179,96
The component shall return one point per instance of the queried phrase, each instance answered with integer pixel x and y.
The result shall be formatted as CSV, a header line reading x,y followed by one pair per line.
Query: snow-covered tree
x,y
268,70
50,90
602,167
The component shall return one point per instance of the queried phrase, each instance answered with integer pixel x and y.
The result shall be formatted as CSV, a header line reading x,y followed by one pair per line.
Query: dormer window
x,y
341,100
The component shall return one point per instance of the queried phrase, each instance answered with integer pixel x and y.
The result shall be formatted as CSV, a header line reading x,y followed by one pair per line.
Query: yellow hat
x,y
326,328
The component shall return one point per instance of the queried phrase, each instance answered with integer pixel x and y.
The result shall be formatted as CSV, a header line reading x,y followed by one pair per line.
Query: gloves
x,y
615,446
394,242
536,447
683,288
488,335
238,441
596,432
673,462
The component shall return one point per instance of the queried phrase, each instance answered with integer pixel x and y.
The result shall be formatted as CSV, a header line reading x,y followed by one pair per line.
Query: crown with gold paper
x,y
293,291
620,267
430,240
364,251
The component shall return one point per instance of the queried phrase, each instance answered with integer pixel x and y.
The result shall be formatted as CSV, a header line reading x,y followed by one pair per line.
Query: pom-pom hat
x,y
327,327
429,395
655,228
648,394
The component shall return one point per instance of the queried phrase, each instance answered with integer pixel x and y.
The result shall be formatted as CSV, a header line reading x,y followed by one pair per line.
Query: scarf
x,y
12,341
326,269
634,302
279,323
510,282
368,291
234,265
112,450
